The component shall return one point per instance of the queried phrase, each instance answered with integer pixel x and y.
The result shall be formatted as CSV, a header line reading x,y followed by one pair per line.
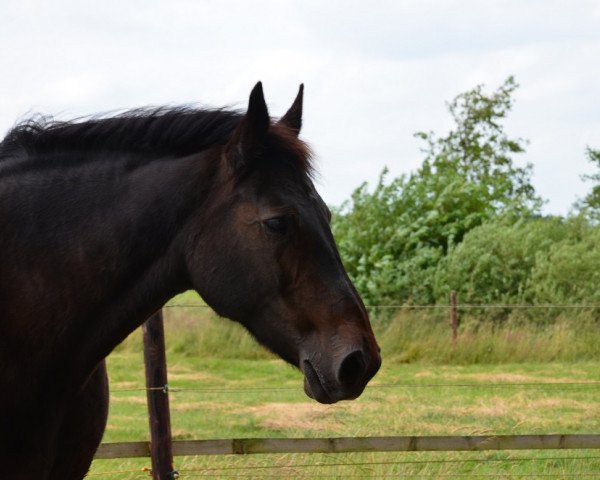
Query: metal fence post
x,y
157,392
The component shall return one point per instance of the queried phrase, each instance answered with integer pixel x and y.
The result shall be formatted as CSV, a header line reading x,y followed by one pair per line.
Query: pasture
x,y
218,396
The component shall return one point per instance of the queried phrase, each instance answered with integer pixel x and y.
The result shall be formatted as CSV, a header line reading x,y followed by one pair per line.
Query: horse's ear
x,y
293,117
248,138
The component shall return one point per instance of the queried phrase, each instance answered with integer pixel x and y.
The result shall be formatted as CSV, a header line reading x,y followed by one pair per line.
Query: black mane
x,y
154,132
147,132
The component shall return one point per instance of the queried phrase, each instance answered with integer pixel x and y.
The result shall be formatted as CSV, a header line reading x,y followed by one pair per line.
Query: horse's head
x,y
264,255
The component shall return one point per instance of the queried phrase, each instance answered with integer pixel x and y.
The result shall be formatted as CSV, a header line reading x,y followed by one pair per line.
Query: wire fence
x,y
254,474
440,306
586,474
300,469
321,469
540,385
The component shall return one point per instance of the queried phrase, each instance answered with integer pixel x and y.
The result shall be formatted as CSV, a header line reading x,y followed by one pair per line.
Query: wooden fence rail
x,y
356,444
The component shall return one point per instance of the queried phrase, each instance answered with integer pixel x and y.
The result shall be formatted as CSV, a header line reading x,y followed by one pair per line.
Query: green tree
x,y
393,239
590,205
478,150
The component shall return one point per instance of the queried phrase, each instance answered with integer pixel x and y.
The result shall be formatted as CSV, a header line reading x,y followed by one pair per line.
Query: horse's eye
x,y
276,225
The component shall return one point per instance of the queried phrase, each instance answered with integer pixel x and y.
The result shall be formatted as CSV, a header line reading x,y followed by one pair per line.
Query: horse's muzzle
x,y
341,380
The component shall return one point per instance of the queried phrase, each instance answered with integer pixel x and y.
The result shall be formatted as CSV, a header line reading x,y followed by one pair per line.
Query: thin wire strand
x,y
534,385
146,472
383,463
421,475
460,305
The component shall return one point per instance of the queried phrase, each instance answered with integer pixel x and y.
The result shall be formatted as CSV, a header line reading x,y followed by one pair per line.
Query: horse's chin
x,y
313,386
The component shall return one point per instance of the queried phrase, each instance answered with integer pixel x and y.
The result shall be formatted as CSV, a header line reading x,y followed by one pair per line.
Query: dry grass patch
x,y
509,378
181,434
191,376
491,408
122,422
523,411
561,403
301,416
203,406
177,371
135,400
185,406
124,384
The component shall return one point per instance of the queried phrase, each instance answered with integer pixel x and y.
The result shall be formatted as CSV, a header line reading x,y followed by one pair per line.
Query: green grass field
x,y
238,390
262,398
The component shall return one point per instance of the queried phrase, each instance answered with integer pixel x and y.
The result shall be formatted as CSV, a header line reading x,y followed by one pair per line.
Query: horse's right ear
x,y
293,117
248,138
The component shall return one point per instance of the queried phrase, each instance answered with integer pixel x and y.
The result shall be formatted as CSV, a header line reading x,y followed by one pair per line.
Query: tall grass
x,y
425,336
197,331
409,336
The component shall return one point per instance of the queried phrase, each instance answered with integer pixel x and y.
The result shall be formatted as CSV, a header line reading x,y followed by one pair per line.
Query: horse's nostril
x,y
352,368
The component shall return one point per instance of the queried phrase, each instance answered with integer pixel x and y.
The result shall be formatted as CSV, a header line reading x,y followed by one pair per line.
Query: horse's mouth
x,y
313,386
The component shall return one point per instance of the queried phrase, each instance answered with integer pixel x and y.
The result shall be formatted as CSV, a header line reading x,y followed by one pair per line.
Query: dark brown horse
x,y
104,220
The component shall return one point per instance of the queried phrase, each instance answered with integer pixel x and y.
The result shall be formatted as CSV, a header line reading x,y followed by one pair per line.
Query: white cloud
x,y
374,73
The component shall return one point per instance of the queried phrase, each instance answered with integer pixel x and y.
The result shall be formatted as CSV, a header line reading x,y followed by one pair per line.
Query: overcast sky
x,y
375,72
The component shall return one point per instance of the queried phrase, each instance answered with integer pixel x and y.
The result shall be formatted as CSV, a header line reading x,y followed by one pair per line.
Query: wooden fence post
x,y
157,393
453,316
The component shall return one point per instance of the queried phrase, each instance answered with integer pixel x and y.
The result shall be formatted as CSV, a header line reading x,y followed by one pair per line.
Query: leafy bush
x,y
393,239
570,271
494,262
544,261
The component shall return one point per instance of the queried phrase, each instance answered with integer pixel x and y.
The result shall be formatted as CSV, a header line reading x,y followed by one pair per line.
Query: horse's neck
x,y
119,261
148,240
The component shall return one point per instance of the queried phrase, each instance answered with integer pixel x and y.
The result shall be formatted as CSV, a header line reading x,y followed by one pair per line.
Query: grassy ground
x,y
262,398
236,389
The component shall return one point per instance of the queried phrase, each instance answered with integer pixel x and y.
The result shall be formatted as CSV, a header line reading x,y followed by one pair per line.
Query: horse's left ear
x,y
248,138
293,117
